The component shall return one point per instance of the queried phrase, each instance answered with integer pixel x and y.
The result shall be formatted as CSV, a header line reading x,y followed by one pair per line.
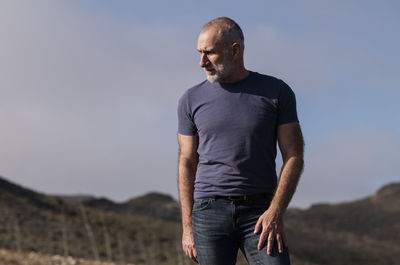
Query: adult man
x,y
228,129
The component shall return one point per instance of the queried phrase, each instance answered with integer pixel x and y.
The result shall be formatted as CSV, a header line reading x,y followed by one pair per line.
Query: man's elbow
x,y
293,154
298,159
188,160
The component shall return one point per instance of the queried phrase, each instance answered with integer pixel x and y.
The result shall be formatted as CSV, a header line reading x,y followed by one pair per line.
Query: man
x,y
228,128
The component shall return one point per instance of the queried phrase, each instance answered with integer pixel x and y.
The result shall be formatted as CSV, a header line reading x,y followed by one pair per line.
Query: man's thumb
x,y
258,227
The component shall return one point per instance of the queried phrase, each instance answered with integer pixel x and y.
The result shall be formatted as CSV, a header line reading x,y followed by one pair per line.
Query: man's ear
x,y
235,48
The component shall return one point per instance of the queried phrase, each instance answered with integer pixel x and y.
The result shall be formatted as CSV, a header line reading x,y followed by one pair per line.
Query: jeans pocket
x,y
201,204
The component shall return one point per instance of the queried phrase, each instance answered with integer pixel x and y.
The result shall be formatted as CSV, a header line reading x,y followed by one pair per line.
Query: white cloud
x,y
348,165
88,102
273,52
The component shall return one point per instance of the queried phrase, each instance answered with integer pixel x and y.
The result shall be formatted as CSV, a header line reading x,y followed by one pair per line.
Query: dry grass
x,y
8,257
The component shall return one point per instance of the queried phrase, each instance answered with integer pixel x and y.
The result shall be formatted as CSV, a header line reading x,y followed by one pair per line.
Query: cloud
x,y
88,99
88,104
272,51
348,165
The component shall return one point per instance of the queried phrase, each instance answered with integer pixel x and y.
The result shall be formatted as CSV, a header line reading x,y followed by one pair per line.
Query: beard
x,y
221,71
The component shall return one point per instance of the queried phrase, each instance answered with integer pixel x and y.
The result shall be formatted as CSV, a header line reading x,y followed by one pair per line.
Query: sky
x,y
89,90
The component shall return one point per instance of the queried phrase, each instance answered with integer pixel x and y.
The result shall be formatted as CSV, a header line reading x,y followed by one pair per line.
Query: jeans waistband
x,y
246,197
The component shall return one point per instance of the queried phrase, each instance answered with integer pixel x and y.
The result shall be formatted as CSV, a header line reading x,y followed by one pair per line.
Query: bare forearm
x,y
288,180
186,177
270,223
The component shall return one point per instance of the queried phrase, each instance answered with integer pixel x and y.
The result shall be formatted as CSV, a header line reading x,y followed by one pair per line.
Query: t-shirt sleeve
x,y
186,125
287,105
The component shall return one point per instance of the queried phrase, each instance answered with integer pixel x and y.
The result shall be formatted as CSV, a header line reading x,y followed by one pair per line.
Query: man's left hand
x,y
271,227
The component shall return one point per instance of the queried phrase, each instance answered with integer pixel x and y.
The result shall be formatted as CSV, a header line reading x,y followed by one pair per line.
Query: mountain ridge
x,y
365,231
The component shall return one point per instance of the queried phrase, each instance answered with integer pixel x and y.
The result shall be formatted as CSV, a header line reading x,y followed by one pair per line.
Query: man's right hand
x,y
188,245
187,166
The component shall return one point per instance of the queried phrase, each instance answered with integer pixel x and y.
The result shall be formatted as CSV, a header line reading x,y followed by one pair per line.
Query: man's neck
x,y
236,76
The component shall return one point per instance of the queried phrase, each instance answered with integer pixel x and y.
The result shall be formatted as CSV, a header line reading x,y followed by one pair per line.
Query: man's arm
x,y
187,167
291,144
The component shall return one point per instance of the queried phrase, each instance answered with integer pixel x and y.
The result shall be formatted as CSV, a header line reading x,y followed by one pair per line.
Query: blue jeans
x,y
222,226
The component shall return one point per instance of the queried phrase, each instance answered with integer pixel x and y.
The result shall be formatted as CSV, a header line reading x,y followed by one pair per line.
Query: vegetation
x,y
362,232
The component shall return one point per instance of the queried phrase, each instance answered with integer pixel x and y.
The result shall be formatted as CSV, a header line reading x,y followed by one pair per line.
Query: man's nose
x,y
203,60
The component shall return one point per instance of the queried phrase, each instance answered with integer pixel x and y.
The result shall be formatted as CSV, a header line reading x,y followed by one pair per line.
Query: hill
x,y
154,205
365,232
30,221
145,230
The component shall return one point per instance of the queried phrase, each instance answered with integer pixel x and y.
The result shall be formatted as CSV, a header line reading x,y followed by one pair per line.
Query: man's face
x,y
215,58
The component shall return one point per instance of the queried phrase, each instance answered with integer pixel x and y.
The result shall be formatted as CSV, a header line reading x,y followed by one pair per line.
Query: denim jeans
x,y
222,226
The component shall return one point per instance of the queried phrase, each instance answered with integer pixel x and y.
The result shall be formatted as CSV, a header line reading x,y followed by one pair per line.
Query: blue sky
x,y
89,90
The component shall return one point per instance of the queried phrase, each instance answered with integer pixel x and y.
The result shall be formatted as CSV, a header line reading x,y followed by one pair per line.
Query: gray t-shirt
x,y
236,124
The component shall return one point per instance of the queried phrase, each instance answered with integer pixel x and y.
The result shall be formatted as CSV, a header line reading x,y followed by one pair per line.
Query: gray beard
x,y
214,78
221,72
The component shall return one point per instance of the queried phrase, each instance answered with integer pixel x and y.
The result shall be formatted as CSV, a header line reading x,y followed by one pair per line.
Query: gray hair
x,y
229,31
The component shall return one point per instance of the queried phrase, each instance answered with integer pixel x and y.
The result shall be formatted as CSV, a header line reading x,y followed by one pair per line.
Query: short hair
x,y
228,29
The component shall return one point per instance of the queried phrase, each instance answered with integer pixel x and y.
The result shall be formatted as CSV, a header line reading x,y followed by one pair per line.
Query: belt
x,y
246,197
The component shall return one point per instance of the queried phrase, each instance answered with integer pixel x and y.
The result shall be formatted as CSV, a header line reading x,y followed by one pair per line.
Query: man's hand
x,y
271,227
188,160
270,223
188,245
